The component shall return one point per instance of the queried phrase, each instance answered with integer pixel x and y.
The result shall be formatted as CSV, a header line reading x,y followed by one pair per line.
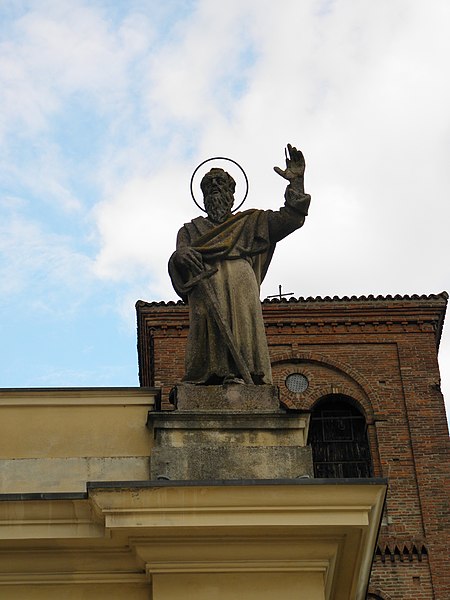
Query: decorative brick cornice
x,y
370,298
364,314
393,550
366,324
143,304
327,315
443,296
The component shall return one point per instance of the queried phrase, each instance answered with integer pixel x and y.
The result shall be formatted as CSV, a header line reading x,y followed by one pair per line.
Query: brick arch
x,y
362,393
360,400
368,398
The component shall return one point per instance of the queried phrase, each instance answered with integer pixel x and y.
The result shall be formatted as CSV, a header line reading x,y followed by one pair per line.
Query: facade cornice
x,y
363,314
320,533
122,396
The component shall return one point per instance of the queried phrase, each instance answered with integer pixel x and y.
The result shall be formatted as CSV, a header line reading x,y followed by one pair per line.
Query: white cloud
x,y
60,50
38,270
138,227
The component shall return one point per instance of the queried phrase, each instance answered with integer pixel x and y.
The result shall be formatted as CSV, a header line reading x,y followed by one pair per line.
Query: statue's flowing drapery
x,y
237,253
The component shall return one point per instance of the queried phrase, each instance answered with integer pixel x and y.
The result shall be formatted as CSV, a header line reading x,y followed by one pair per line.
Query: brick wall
x,y
382,352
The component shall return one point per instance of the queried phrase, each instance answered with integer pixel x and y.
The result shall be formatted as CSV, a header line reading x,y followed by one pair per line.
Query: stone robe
x,y
236,255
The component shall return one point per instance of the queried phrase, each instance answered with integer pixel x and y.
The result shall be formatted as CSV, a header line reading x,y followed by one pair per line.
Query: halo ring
x,y
220,158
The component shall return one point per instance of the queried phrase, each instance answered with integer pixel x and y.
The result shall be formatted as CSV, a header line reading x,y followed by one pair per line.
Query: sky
x,y
108,106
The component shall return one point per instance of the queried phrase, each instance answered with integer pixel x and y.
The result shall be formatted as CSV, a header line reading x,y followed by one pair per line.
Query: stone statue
x,y
218,266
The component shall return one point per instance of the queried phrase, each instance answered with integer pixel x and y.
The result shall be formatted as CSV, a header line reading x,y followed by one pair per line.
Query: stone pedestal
x,y
229,432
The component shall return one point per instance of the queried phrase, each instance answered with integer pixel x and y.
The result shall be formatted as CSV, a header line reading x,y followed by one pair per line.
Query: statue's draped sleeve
x,y
290,217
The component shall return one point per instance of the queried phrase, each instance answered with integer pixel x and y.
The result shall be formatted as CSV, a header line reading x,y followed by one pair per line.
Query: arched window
x,y
338,438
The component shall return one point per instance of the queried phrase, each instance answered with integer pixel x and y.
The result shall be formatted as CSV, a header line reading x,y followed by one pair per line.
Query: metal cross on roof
x,y
281,294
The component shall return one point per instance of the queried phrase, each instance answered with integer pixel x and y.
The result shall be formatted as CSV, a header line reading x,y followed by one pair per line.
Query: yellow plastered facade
x,y
123,536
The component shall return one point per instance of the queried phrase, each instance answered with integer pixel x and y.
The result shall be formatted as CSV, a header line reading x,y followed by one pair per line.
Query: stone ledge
x,y
181,429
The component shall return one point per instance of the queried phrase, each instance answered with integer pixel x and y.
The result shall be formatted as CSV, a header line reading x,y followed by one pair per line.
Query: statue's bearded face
x,y
218,187
218,205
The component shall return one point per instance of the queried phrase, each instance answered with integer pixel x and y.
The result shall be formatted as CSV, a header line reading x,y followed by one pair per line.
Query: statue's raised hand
x,y
295,165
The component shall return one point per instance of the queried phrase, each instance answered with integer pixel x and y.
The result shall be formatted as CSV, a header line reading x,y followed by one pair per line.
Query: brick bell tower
x,y
366,371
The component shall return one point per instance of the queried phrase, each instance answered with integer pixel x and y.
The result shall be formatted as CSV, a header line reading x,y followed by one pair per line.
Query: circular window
x,y
297,383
